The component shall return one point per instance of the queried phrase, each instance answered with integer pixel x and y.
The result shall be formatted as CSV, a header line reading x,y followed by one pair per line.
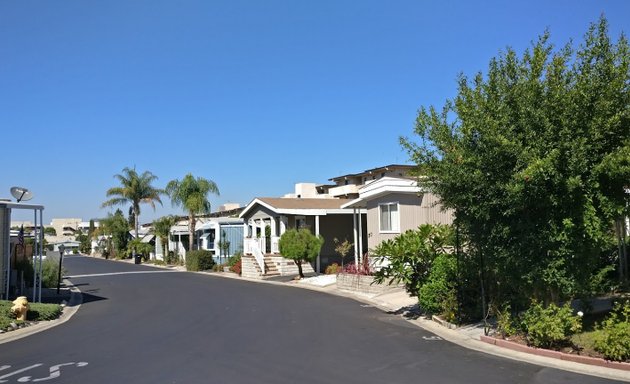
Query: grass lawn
x,y
36,312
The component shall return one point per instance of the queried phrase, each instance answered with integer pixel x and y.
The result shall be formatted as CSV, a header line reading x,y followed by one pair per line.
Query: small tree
x,y
162,228
342,248
224,246
300,245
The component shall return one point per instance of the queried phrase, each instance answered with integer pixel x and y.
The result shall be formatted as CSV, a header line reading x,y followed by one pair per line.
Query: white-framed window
x,y
389,220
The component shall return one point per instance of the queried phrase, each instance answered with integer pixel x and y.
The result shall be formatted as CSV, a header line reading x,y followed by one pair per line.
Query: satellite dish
x,y
21,193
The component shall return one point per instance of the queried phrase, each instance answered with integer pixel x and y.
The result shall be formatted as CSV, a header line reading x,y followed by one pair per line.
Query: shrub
x,y
233,260
50,272
408,257
506,326
37,312
333,269
237,267
614,339
41,311
362,269
551,326
437,294
200,260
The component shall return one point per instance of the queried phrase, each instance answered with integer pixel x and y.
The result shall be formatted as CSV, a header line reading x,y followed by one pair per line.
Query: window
x,y
388,217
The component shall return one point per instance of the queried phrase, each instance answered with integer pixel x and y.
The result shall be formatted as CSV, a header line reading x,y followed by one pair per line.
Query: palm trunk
x,y
191,231
136,210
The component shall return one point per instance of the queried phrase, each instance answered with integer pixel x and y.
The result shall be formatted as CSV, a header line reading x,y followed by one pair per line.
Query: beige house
x,y
395,205
325,209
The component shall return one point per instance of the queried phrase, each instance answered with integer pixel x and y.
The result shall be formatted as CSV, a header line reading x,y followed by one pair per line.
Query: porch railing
x,y
253,246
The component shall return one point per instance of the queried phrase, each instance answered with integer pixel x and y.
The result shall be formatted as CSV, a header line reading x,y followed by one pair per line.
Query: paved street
x,y
140,324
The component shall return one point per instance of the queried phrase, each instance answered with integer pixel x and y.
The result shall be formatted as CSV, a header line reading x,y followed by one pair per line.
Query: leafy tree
x,y
532,158
134,189
409,256
191,194
115,229
85,243
51,231
300,245
162,228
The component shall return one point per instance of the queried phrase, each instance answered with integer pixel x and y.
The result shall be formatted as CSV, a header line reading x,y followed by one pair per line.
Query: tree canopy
x,y
533,158
300,245
134,189
191,194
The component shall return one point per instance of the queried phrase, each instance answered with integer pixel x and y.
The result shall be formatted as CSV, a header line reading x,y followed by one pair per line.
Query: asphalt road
x,y
140,324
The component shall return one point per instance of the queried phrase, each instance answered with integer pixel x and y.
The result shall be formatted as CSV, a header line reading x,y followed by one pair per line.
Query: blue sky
x,y
255,95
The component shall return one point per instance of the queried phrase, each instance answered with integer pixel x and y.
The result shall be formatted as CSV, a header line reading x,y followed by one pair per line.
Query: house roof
x,y
298,206
381,187
374,170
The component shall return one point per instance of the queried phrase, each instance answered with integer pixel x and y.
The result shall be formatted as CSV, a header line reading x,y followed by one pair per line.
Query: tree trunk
x,y
136,209
299,264
191,231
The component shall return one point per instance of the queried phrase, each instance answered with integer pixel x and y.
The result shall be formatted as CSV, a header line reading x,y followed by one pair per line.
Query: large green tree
x,y
300,245
134,189
191,193
533,157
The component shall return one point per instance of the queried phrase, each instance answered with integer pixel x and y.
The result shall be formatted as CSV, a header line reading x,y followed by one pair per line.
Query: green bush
x,y
200,260
408,257
614,339
50,272
37,312
233,260
41,311
333,269
506,325
438,295
551,326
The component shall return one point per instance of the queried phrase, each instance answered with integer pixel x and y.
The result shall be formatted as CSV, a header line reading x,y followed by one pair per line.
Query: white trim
x,y
296,211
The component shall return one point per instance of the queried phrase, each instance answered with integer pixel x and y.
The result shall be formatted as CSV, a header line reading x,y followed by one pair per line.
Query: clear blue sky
x,y
255,95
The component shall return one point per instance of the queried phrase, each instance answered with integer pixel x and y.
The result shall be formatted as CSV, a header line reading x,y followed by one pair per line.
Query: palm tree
x,y
134,189
161,229
192,195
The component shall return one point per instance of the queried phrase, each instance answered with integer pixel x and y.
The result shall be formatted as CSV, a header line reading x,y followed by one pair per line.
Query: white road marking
x,y
18,371
432,338
116,273
4,367
55,372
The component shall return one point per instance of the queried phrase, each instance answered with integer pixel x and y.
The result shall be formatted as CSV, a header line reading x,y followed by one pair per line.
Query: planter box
x,y
363,284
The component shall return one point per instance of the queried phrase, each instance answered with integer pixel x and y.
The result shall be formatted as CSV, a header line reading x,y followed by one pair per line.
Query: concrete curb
x,y
68,311
555,354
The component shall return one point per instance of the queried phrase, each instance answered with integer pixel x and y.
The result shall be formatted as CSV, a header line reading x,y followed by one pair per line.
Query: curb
x,y
76,299
555,354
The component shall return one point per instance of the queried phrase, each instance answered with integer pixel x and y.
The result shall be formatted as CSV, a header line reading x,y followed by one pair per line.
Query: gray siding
x,y
414,211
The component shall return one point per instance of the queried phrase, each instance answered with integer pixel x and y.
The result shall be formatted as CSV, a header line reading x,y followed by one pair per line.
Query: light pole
x,y
61,249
